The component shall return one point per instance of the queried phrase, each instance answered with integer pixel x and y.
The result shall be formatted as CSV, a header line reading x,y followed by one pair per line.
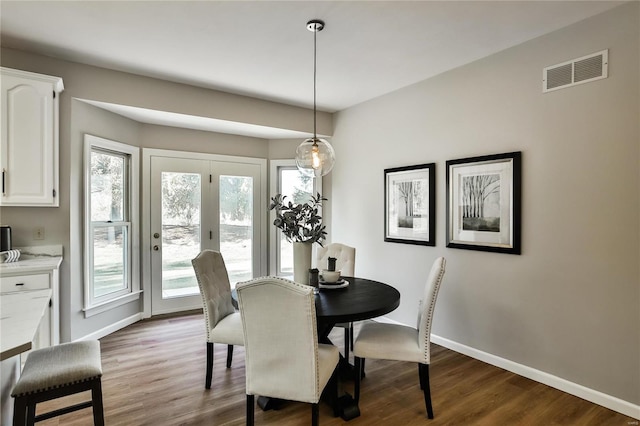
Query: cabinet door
x,y
29,143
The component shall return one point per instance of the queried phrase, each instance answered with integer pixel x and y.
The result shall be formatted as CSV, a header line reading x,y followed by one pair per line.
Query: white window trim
x,y
133,293
274,184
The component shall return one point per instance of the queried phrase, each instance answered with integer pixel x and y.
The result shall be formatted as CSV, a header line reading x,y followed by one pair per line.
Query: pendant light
x,y
315,156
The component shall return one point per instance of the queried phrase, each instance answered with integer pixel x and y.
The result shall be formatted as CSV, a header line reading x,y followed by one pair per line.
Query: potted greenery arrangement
x,y
302,225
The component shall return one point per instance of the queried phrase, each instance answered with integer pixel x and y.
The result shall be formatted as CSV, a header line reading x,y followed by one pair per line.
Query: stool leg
x,y
31,413
96,398
19,411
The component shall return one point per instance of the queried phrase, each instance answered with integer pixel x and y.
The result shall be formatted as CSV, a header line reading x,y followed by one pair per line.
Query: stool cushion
x,y
60,365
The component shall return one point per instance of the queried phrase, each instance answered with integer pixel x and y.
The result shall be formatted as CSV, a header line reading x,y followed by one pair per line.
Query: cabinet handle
x,y
3,171
19,283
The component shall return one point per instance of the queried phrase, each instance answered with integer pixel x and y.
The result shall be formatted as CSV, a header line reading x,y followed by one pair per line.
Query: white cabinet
x,y
37,274
45,336
29,152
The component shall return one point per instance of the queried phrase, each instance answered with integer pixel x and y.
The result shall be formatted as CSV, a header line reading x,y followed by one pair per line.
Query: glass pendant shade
x,y
315,157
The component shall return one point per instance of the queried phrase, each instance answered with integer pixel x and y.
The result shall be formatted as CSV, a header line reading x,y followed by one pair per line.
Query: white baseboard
x,y
591,395
112,327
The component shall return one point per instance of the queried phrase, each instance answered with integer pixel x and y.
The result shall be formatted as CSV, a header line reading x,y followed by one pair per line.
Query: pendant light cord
x,y
315,33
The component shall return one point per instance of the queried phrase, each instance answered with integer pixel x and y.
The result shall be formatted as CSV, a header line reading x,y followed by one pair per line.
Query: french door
x,y
198,204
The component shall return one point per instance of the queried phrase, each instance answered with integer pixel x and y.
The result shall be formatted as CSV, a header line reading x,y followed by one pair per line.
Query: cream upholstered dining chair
x,y
282,355
223,322
400,342
346,263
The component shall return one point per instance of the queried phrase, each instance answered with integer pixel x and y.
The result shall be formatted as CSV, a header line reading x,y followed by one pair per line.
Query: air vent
x,y
576,71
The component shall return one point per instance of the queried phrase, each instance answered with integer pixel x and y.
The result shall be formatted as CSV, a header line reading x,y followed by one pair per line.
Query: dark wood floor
x,y
154,375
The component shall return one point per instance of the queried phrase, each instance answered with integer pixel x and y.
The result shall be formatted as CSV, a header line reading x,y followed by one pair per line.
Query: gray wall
x,y
63,225
569,304
87,119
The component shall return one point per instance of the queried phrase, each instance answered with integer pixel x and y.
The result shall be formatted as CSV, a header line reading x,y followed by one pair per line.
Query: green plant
x,y
300,223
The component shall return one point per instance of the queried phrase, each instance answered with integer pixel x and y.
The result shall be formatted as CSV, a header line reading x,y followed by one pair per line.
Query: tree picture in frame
x,y
409,209
483,203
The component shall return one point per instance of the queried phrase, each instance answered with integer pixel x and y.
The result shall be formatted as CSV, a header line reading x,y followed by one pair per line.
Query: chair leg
x,y
347,341
315,414
19,411
229,355
351,334
359,366
424,379
421,376
209,365
250,407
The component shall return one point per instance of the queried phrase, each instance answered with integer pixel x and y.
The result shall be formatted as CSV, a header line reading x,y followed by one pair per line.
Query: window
x,y
111,228
286,179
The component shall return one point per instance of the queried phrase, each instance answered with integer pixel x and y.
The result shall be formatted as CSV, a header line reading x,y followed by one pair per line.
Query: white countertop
x,y
20,316
31,266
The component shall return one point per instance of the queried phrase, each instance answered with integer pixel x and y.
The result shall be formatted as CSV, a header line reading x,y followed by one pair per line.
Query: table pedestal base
x,y
267,403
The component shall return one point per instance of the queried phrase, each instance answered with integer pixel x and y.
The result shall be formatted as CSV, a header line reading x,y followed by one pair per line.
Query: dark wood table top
x,y
361,299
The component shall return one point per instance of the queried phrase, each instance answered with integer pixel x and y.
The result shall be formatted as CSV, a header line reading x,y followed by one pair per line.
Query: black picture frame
x,y
476,185
409,188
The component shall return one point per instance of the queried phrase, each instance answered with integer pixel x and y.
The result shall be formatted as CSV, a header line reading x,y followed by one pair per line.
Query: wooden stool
x,y
58,371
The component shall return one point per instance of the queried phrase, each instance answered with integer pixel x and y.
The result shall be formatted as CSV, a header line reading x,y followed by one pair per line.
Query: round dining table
x,y
361,299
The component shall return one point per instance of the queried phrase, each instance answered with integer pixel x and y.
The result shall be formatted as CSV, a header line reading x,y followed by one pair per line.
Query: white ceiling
x,y
263,49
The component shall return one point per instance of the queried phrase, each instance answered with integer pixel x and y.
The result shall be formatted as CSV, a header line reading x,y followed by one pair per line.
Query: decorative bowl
x,y
330,276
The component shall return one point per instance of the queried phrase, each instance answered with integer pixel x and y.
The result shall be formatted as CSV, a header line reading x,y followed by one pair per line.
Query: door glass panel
x,y
298,188
181,232
236,226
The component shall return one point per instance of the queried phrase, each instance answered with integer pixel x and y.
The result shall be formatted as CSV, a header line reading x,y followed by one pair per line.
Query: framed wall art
x,y
409,204
484,203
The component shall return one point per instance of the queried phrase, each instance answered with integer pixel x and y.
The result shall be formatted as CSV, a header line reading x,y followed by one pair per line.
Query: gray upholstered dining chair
x,y
223,322
346,263
283,358
400,342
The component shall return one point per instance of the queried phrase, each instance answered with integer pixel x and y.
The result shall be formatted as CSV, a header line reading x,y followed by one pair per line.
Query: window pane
x,y
181,207
236,230
107,187
109,259
298,188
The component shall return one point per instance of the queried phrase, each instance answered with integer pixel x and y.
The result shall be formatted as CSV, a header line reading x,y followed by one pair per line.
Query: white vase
x,y
301,262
